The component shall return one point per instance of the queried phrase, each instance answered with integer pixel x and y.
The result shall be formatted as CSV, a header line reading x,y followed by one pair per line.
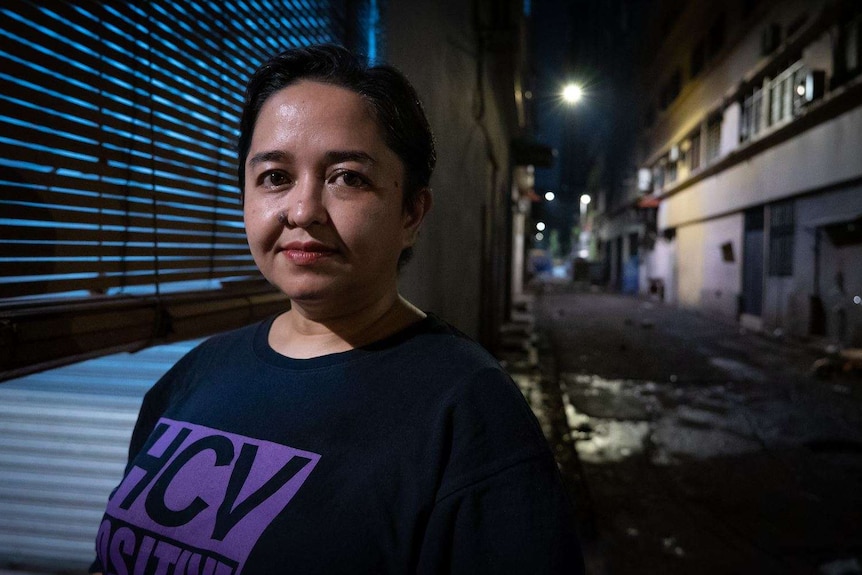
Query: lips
x,y
306,253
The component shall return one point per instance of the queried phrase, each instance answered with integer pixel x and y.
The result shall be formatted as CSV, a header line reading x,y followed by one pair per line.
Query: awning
x,y
648,202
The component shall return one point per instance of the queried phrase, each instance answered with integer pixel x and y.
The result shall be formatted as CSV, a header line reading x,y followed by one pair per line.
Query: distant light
x,y
800,89
572,93
585,199
528,95
540,236
540,226
550,196
857,300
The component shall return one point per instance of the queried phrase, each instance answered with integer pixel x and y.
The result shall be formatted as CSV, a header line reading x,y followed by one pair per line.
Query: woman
x,y
353,432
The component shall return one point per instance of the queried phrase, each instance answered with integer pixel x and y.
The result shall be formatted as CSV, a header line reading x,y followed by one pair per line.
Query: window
x,y
715,37
796,25
852,46
748,7
649,116
658,176
713,138
781,230
698,58
751,120
672,170
847,56
783,100
694,151
671,89
770,39
117,166
852,35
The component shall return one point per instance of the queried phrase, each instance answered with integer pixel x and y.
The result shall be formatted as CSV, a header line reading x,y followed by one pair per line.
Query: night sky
x,y
593,43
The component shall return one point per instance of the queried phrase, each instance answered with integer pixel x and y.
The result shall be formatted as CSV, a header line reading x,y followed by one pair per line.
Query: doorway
x,y
752,263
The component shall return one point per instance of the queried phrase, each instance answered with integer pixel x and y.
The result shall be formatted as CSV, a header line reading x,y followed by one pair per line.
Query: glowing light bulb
x,y
572,93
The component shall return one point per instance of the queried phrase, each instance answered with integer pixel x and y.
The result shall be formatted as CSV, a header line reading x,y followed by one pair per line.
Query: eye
x,y
350,179
274,179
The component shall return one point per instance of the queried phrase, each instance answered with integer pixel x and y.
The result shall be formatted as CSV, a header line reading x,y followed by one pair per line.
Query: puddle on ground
x,y
737,370
612,420
613,441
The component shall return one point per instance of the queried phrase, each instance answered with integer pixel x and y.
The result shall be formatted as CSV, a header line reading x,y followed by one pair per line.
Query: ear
x,y
412,218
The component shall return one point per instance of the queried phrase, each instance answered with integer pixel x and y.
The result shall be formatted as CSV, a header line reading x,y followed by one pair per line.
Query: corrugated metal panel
x,y
64,435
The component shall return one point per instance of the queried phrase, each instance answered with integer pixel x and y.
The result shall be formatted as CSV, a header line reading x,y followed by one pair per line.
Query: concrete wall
x,y
434,44
661,263
741,55
706,280
823,155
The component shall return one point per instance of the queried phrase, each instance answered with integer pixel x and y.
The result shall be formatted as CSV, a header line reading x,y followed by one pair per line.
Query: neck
x,y
302,335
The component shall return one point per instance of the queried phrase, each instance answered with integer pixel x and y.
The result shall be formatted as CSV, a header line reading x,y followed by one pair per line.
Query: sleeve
x,y
516,521
501,506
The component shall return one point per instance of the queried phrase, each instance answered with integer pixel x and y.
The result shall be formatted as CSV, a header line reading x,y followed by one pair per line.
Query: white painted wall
x,y
706,281
826,154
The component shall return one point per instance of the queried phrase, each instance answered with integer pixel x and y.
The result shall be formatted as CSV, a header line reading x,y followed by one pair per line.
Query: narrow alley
x,y
691,446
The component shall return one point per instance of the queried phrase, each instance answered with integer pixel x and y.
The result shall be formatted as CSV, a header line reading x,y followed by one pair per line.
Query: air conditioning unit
x,y
812,88
644,179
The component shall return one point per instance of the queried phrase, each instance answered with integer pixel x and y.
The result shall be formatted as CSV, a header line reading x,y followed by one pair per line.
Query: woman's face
x,y
323,200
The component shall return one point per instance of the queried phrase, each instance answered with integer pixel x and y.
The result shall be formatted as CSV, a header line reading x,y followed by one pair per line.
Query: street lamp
x,y
572,93
549,196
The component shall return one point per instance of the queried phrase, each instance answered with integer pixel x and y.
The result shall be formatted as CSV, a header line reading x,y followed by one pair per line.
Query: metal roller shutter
x,y
64,436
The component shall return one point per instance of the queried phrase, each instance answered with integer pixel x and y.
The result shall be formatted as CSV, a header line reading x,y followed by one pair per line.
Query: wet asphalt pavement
x,y
690,446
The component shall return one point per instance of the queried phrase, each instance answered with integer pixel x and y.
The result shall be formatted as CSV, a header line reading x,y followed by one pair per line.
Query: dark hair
x,y
393,100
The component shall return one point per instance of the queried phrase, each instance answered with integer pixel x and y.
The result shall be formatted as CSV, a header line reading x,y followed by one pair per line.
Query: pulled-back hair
x,y
393,100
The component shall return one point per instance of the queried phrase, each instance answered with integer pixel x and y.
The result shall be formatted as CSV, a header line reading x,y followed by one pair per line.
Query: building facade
x,y
748,197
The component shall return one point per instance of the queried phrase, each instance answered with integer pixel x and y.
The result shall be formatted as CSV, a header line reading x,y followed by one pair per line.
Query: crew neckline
x,y
266,353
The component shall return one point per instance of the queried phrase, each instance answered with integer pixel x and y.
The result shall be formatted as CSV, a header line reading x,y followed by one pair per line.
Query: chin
x,y
308,292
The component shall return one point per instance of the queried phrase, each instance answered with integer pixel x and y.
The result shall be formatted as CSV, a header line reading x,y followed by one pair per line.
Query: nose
x,y
306,204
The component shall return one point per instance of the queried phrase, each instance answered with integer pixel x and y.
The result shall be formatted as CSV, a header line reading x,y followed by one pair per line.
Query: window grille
x,y
694,151
671,171
713,138
117,137
751,121
783,101
658,177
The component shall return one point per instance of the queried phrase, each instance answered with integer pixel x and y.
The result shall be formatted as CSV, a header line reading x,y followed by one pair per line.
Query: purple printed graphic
x,y
197,500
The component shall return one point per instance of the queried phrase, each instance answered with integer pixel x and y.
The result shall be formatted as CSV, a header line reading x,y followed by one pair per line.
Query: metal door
x,y
752,263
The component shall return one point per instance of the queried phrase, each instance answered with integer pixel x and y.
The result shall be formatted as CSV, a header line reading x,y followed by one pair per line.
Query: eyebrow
x,y
270,156
332,157
338,156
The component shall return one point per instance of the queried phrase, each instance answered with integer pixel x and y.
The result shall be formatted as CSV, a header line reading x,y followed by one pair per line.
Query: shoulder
x,y
449,348
481,414
196,364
